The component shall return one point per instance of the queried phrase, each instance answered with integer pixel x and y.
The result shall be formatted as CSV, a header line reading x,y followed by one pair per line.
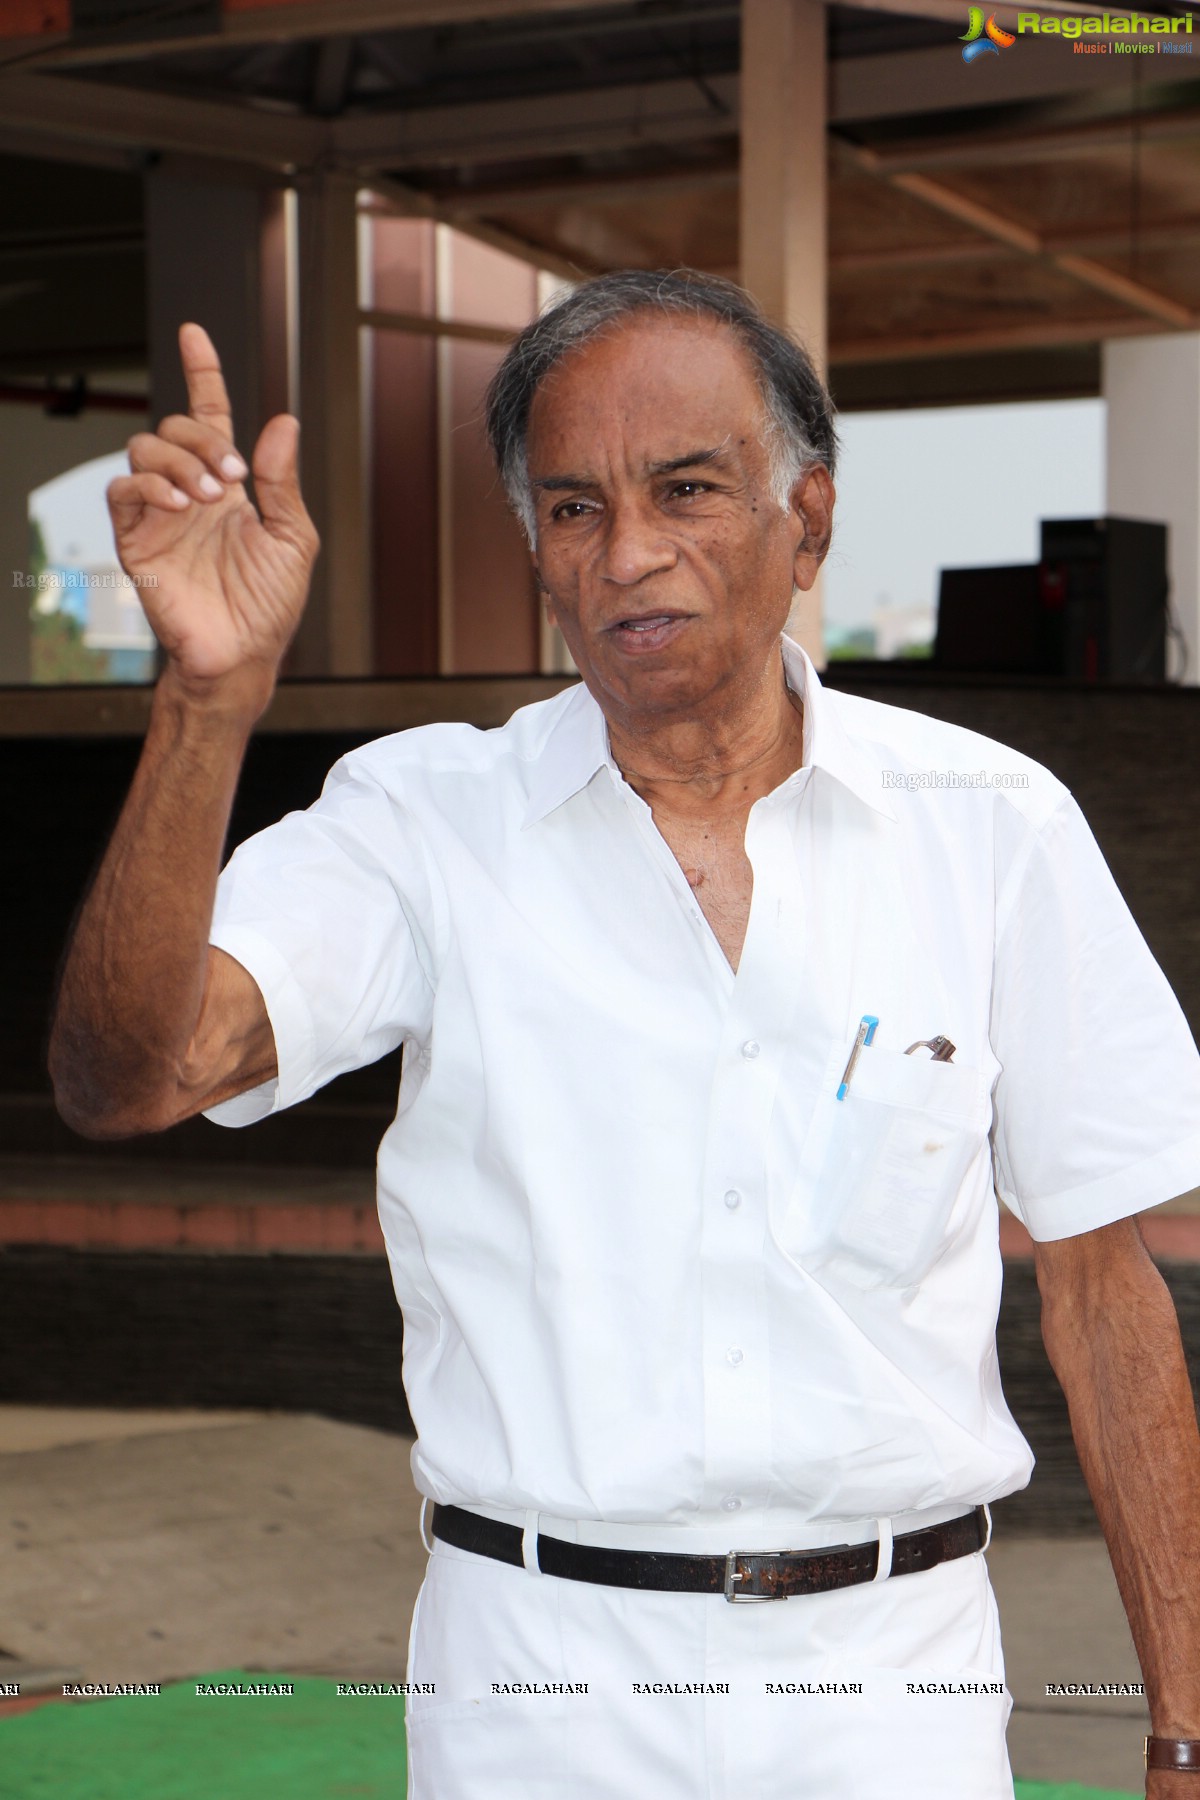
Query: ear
x,y
543,592
812,502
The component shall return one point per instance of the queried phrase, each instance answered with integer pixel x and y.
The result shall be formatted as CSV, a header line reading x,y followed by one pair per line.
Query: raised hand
x,y
222,584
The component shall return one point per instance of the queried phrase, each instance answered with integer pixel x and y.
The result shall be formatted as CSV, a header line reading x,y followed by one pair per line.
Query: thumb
x,y
277,478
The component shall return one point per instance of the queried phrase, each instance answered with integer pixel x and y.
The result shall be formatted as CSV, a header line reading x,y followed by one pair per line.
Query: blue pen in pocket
x,y
866,1032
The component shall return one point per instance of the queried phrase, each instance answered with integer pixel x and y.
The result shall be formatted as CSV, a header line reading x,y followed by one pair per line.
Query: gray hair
x,y
798,413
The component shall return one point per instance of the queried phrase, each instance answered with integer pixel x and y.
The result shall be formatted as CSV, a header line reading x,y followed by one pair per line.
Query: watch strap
x,y
1173,1753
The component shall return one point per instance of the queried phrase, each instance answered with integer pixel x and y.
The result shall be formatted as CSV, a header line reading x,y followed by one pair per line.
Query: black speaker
x,y
1106,579
1093,609
989,622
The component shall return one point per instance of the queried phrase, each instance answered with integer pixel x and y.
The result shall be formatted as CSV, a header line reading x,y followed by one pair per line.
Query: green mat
x,y
312,1746
1070,1790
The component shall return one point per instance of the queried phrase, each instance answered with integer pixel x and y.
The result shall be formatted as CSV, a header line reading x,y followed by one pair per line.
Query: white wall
x,y
1152,388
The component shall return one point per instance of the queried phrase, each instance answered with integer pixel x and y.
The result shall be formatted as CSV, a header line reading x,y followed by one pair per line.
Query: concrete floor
x,y
153,1546
280,1542
1063,1621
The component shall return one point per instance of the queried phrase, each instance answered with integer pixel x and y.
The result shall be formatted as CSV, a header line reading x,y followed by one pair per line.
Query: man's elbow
x,y
97,1100
1083,1272
1099,1287
106,1119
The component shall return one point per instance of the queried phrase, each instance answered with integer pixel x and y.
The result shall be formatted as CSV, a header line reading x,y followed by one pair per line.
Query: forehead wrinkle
x,y
555,483
692,459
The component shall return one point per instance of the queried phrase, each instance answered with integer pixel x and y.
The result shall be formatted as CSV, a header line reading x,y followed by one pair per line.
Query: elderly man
x,y
721,1028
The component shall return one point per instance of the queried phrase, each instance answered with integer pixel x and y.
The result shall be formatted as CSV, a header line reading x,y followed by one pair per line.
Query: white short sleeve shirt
x,y
651,1267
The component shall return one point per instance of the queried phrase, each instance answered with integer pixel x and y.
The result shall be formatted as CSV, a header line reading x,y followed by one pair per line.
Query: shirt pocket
x,y
882,1168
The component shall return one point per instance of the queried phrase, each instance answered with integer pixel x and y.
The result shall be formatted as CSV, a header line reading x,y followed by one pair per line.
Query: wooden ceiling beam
x,y
1098,241
638,115
982,149
1117,237
426,325
96,113
97,116
244,24
50,146
542,256
102,119
952,13
395,198
916,83
992,224
984,219
918,256
593,190
1132,293
1047,335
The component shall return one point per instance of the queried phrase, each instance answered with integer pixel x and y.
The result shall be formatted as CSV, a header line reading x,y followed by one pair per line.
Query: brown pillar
x,y
783,189
204,255
335,634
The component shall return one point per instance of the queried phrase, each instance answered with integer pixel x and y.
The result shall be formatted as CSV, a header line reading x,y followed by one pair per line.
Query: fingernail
x,y
208,484
179,498
233,466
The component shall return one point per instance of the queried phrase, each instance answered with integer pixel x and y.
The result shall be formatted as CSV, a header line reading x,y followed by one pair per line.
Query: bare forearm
x,y
134,980
1122,1367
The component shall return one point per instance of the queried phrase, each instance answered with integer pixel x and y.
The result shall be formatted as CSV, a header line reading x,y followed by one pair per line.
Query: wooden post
x,y
204,262
783,191
335,634
213,254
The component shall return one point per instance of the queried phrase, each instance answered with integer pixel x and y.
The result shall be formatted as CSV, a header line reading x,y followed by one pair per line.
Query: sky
x,y
953,487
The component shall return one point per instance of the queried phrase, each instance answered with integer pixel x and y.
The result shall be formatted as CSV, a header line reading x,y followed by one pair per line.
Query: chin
x,y
655,689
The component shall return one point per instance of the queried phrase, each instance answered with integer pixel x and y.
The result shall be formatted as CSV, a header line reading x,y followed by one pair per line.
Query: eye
x,y
571,509
688,490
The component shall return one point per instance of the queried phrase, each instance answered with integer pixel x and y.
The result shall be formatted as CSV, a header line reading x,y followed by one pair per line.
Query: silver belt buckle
x,y
732,1574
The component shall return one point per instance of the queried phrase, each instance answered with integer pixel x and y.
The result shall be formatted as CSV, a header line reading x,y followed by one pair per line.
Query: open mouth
x,y
648,632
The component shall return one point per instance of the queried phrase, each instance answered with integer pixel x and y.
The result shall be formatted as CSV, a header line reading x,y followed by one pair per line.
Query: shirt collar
x,y
577,745
574,748
827,743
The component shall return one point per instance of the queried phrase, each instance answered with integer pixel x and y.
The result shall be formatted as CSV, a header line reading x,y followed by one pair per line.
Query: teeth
x,y
644,624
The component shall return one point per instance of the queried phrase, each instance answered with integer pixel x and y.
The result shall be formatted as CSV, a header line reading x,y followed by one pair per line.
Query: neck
x,y
723,761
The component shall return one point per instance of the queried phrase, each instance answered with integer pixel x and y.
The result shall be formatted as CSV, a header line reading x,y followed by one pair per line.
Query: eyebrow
x,y
553,484
690,461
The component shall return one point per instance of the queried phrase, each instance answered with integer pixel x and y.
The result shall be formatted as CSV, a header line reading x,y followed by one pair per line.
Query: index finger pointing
x,y
207,398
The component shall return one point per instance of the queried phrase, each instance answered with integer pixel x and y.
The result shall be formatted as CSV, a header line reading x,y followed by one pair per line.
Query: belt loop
x,y
421,1523
987,1513
529,1542
884,1566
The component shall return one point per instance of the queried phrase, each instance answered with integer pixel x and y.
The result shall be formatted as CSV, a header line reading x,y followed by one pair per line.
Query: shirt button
x,y
750,1049
734,1356
733,1199
731,1503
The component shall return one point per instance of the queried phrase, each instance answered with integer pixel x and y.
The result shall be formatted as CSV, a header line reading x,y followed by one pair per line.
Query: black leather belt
x,y
739,1575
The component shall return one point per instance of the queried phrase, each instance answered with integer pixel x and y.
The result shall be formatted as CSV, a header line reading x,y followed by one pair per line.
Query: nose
x,y
636,543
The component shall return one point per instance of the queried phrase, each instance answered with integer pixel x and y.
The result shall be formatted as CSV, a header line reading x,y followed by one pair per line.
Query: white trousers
x,y
923,1718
